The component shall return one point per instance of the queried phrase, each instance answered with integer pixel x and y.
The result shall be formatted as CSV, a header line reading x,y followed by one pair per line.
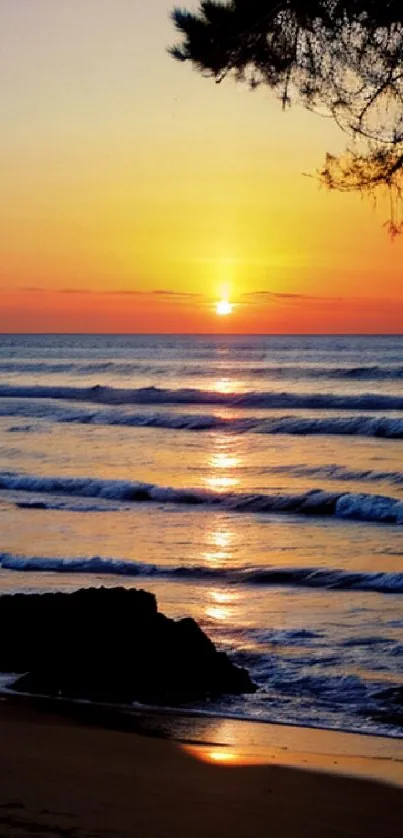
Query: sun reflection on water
x,y
223,464
223,468
224,597
225,385
224,459
222,604
220,615
220,483
222,538
221,542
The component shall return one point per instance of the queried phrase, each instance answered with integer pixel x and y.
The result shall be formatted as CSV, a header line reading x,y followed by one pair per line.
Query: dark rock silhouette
x,y
111,644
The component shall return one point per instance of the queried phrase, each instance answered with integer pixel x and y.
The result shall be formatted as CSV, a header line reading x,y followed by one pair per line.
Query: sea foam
x,y
299,577
99,394
316,502
362,425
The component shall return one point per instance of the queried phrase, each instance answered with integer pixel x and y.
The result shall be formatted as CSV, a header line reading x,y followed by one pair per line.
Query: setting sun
x,y
223,307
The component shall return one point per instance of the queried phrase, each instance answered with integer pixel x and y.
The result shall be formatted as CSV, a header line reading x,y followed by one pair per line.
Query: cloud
x,y
122,292
285,297
109,292
70,290
42,289
168,293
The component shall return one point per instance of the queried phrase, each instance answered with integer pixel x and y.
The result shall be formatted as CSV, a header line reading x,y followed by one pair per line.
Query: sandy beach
x,y
62,777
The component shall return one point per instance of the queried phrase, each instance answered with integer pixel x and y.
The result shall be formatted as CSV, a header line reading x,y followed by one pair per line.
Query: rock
x,y
111,644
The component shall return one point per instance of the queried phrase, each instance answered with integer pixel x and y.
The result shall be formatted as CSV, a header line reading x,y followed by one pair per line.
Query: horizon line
x,y
202,334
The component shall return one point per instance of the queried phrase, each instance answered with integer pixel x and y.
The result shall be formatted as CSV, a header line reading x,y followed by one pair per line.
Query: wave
x,y
79,505
300,577
318,503
337,472
269,371
82,368
357,373
330,472
367,426
99,394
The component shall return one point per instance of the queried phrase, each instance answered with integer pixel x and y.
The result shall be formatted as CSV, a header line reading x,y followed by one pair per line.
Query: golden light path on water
x,y
225,384
223,466
220,605
219,544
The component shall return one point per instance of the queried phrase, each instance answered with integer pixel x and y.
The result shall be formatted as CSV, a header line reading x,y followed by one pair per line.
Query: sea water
x,y
254,483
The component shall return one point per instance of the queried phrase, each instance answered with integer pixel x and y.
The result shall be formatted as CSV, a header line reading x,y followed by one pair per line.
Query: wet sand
x,y
63,777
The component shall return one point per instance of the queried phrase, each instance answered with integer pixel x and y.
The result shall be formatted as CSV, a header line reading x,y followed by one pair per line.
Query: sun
x,y
223,307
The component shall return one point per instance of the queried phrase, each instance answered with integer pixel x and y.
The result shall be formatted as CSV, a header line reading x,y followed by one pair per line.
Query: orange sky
x,y
136,193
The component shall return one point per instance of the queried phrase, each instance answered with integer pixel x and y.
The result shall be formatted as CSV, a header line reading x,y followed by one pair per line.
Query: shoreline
x,y
84,776
190,713
229,740
193,713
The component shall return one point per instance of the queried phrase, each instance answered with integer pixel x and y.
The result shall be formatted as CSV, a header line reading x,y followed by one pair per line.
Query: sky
x,y
136,193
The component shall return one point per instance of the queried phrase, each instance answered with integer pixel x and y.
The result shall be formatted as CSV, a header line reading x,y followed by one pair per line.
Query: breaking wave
x,y
361,425
348,505
337,580
358,373
160,395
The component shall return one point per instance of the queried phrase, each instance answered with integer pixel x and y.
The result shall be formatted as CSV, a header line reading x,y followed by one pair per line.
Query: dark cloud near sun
x,y
255,297
100,292
162,292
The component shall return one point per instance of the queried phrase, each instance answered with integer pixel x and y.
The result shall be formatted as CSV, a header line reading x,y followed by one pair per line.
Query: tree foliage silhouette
x,y
341,58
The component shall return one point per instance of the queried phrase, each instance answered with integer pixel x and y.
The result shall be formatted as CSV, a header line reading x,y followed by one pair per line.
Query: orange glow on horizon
x,y
46,310
171,206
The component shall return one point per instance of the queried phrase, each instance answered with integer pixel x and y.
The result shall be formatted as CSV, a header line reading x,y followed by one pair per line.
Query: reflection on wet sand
x,y
219,755
319,750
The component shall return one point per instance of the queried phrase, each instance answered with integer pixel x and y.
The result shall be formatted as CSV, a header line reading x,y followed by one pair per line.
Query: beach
x,y
249,482
63,777
252,484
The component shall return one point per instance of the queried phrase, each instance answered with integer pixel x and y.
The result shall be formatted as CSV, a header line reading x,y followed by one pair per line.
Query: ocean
x,y
253,483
